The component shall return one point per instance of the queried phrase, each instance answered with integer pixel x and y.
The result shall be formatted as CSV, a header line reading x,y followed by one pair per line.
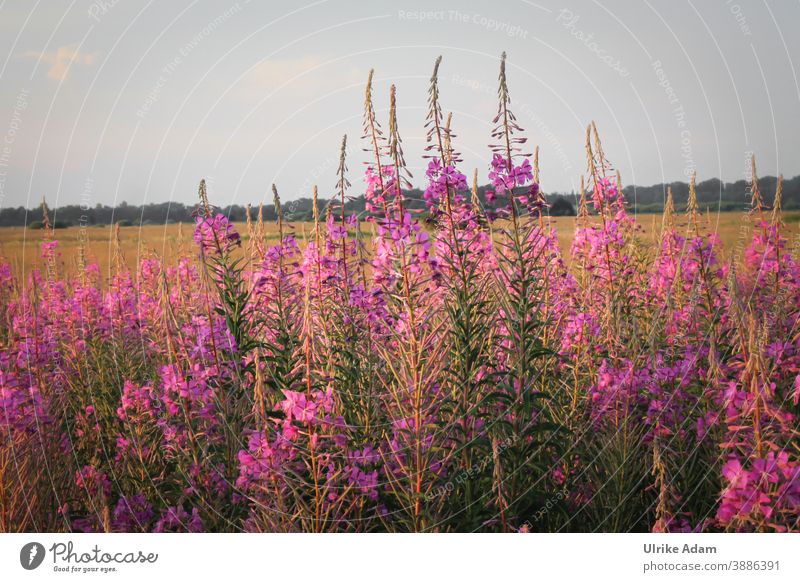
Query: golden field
x,y
20,246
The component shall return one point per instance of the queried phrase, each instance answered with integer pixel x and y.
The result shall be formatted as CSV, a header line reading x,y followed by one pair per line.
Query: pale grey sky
x,y
104,101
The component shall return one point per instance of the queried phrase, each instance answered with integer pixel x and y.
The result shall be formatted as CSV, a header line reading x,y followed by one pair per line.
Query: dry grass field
x,y
20,246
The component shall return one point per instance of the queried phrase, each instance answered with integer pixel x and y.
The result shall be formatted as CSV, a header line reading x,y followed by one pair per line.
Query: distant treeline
x,y
712,194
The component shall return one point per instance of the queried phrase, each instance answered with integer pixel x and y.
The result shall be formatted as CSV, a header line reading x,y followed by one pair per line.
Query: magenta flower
x,y
216,234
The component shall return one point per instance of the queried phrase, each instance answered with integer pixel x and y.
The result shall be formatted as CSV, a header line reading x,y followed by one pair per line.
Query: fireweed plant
x,y
456,373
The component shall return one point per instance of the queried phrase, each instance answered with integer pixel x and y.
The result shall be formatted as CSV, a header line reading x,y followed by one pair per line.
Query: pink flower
x,y
216,234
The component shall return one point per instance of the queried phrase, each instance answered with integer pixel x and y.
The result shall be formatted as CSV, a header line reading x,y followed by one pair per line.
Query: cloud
x,y
61,59
308,74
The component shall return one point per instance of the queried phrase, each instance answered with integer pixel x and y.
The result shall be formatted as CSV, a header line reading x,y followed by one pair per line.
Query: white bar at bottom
x,y
407,557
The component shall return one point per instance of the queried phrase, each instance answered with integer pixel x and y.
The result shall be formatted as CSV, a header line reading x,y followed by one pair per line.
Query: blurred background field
x,y
21,247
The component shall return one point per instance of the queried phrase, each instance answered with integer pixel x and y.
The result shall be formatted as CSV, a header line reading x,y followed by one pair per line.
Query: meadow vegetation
x,y
468,368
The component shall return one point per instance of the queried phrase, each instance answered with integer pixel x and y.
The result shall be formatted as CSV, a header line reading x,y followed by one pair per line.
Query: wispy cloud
x,y
62,59
306,74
